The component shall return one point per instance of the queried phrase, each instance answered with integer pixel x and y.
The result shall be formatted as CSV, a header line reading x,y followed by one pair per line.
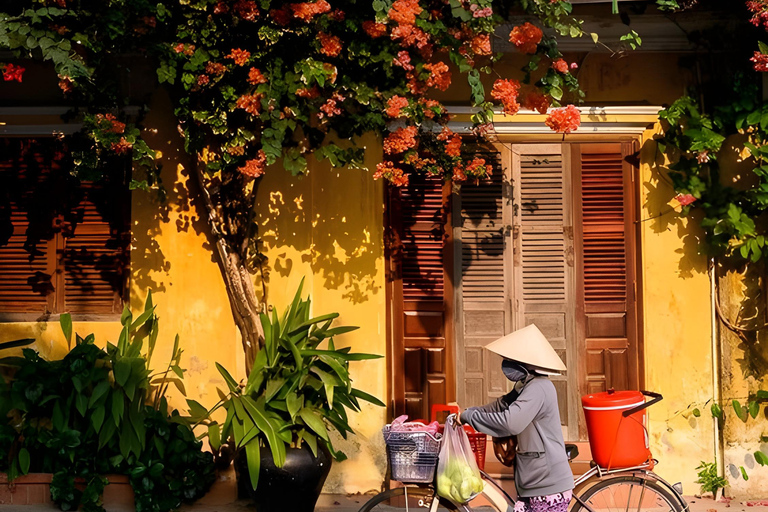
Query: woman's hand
x,y
458,413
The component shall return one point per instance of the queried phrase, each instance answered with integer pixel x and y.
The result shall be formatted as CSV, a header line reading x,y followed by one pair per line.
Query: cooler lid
x,y
613,399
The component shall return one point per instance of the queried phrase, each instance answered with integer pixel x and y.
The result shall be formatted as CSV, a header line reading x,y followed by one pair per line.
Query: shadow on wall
x,y
662,216
150,215
332,218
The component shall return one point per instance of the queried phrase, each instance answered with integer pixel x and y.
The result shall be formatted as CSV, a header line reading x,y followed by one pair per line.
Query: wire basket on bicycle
x,y
412,454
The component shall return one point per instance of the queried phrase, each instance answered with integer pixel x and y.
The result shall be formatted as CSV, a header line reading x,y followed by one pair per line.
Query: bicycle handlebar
x,y
656,398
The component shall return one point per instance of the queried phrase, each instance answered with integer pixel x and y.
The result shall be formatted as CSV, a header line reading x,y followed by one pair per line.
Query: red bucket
x,y
618,438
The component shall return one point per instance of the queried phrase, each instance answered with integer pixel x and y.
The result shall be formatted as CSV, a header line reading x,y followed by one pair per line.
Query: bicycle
x,y
635,488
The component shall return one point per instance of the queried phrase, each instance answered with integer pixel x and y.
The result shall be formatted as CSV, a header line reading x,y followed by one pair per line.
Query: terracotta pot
x,y
295,487
35,489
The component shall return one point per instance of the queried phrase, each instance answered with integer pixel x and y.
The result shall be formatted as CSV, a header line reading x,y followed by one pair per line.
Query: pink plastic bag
x,y
458,477
401,424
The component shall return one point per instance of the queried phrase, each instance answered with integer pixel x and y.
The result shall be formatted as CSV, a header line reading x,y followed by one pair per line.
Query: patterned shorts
x,y
552,503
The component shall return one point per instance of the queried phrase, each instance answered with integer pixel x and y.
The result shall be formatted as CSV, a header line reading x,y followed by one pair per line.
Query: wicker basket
x,y
412,455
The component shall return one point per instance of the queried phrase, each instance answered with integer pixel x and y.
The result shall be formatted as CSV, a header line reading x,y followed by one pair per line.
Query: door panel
x,y
543,260
419,289
607,318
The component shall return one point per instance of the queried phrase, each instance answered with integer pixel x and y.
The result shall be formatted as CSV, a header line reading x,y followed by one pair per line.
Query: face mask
x,y
514,371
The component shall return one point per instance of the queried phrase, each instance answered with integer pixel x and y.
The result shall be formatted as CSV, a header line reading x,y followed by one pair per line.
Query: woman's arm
x,y
509,421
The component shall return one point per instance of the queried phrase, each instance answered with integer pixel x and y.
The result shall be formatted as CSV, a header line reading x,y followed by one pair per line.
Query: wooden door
x,y
607,323
420,289
544,278
482,218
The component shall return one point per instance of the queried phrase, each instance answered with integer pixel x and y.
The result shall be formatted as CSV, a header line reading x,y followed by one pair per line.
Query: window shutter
x,y
27,251
420,296
606,245
482,259
544,274
95,256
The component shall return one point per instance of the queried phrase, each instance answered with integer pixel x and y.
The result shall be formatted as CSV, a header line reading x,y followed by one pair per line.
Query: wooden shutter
x,y
420,293
482,269
63,243
607,321
95,256
543,260
27,245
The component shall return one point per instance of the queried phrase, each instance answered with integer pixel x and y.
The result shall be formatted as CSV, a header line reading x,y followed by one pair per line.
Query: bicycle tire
x,y
412,491
672,500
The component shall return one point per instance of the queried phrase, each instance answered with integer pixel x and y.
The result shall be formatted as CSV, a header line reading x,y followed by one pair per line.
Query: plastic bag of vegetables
x,y
458,478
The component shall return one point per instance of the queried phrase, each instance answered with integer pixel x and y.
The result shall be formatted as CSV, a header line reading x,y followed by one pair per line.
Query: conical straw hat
x,y
529,346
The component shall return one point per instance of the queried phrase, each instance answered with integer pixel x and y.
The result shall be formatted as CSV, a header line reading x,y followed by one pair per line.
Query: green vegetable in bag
x,y
458,477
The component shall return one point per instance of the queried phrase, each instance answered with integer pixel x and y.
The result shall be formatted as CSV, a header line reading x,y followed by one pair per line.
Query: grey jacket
x,y
541,464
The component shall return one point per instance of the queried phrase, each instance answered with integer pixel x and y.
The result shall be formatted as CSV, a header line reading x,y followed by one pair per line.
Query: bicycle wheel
x,y
627,494
409,498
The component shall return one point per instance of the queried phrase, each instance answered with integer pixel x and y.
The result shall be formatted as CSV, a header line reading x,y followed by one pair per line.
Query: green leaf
x,y
761,458
294,403
99,391
214,436
273,386
122,371
744,474
595,37
696,413
253,459
762,394
118,406
717,411
340,355
754,409
739,410
763,47
314,421
368,398
196,410
65,320
17,343
311,440
231,382
257,412
24,461
97,418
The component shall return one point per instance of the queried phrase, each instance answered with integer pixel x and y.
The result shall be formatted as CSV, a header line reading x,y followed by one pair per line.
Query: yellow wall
x,y
677,332
327,227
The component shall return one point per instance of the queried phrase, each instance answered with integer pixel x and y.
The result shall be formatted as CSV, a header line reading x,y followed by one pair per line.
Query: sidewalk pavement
x,y
336,503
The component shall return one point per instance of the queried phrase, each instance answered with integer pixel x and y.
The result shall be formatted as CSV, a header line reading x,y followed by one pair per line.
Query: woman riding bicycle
x,y
530,412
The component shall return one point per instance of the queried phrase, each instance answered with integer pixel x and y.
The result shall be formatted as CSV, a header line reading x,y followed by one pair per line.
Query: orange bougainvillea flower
x,y
535,100
526,37
308,10
560,66
246,9
564,120
251,103
685,199
330,45
255,167
395,106
405,11
311,94
506,91
240,57
401,140
440,75
374,29
403,60
66,84
109,123
409,35
330,108
432,108
255,77
221,8
394,175
481,44
121,147
477,168
215,68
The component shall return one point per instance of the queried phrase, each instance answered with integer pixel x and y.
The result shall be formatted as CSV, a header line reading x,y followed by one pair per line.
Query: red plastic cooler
x,y
617,427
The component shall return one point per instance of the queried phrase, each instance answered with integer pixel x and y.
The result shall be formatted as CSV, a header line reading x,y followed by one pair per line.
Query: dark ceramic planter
x,y
293,488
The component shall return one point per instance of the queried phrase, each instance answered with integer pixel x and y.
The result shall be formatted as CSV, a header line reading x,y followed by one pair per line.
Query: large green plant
x,y
102,411
298,390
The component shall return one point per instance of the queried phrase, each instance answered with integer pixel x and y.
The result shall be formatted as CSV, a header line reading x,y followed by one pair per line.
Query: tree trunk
x,y
242,295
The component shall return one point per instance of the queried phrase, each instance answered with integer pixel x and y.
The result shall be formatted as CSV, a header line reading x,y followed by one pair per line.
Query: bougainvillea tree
x,y
260,83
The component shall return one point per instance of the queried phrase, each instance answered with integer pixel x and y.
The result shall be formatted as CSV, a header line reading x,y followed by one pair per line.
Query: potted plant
x,y
280,419
99,416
